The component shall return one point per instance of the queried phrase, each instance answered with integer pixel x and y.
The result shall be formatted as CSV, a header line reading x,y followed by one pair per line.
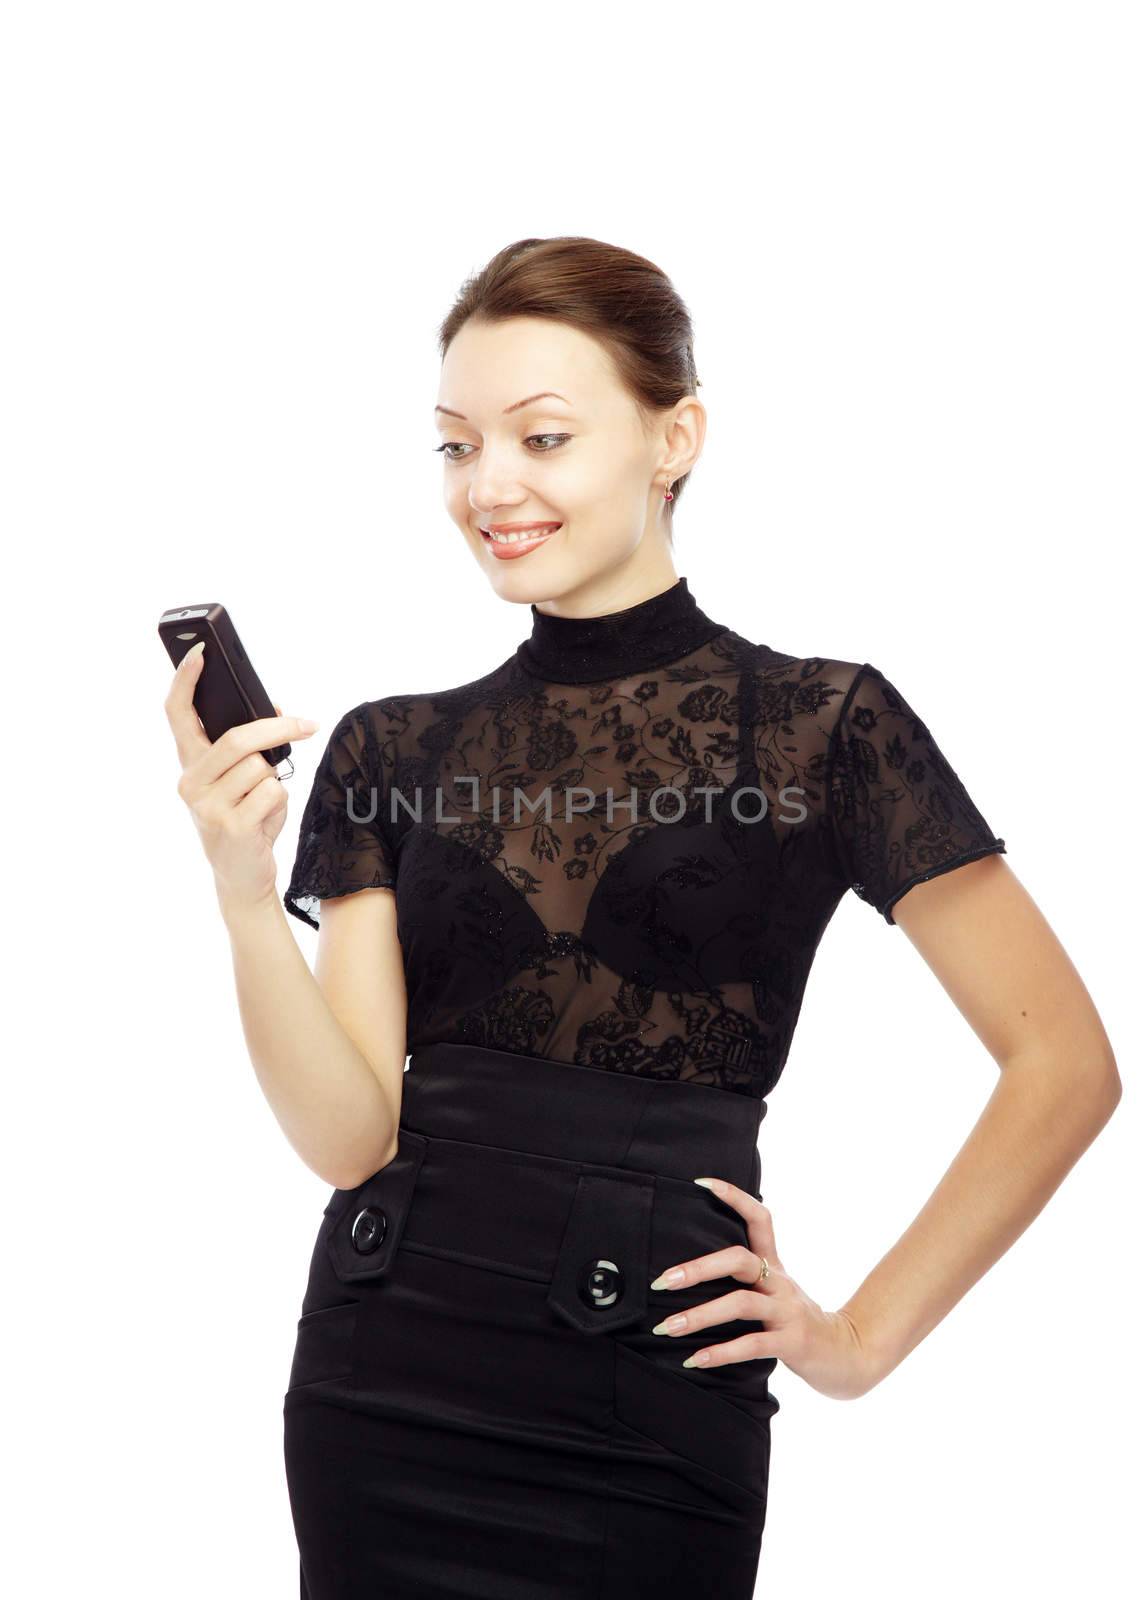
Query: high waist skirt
x,y
477,1404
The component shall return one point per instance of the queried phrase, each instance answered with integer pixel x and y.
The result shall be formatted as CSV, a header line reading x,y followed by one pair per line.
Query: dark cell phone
x,y
229,690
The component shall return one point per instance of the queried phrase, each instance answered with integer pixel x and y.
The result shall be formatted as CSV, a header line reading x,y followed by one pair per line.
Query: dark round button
x,y
369,1229
601,1284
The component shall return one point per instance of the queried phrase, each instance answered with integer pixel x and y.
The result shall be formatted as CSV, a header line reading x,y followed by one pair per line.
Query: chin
x,y
539,574
552,571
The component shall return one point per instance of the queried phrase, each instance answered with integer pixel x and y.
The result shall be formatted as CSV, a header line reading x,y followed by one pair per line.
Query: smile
x,y
519,541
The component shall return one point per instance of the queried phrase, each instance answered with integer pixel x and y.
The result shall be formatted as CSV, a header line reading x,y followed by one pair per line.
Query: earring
x,y
668,495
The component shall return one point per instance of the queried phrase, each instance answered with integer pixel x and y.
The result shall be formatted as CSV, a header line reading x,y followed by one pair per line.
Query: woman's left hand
x,y
823,1347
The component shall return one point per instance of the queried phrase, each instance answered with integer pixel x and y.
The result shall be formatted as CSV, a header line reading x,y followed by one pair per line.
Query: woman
x,y
584,893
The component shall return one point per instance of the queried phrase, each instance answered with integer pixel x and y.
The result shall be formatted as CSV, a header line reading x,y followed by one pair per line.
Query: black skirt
x,y
477,1404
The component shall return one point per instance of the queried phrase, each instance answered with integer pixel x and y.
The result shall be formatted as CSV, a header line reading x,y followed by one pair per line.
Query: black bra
x,y
637,923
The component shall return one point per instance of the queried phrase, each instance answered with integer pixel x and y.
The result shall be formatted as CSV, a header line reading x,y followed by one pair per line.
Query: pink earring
x,y
668,495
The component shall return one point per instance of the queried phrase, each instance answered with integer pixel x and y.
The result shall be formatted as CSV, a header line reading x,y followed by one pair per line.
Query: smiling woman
x,y
578,455
535,1352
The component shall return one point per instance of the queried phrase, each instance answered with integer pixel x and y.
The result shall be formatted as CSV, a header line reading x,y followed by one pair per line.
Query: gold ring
x,y
764,1269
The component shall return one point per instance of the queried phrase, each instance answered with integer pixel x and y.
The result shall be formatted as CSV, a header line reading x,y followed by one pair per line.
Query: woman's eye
x,y
451,445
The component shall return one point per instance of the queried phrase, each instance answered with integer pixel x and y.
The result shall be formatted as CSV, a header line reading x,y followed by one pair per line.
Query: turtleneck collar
x,y
593,649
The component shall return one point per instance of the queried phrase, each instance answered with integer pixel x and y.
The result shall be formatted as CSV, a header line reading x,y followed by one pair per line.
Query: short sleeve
x,y
344,838
899,812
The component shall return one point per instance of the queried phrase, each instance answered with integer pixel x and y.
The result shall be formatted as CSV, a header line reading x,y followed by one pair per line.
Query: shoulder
x,y
419,709
790,686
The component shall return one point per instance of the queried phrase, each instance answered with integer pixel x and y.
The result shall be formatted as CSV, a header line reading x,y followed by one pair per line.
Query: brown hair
x,y
620,299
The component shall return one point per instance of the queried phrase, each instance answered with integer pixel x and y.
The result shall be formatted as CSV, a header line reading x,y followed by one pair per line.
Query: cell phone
x,y
229,690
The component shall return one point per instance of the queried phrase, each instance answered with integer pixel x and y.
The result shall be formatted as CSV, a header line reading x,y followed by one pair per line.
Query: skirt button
x,y
369,1229
601,1284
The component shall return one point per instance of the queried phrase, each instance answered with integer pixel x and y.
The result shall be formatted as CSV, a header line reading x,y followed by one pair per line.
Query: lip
x,y
519,547
517,527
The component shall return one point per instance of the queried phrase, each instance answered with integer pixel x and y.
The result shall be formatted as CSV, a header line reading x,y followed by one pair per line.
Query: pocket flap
x,y
601,1277
367,1228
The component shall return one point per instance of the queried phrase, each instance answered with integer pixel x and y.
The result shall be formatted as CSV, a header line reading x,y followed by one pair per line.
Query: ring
x,y
764,1269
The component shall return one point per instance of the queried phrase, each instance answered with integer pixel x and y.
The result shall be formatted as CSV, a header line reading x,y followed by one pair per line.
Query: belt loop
x,y
366,1227
600,1281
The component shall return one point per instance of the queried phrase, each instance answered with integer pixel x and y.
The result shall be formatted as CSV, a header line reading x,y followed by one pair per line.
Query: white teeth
x,y
516,537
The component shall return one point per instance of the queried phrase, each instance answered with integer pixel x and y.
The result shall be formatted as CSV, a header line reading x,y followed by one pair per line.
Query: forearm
x,y
1039,1119
327,1098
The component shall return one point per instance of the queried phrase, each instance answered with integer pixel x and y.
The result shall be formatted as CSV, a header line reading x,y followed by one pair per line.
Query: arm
x,y
1002,965
991,949
328,1047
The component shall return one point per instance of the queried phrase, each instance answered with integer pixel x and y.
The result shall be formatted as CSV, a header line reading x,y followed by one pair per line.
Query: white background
x,y
910,238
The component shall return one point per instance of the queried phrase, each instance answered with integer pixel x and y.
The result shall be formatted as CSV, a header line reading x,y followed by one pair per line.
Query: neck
x,y
651,633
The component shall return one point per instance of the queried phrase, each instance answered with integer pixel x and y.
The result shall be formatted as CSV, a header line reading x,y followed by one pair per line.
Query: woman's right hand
x,y
233,795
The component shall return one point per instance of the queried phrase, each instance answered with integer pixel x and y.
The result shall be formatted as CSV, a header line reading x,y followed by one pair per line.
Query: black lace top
x,y
621,847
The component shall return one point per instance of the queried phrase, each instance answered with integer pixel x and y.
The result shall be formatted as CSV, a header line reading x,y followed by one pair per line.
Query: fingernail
x,y
306,724
667,1280
706,1183
189,653
700,1360
672,1325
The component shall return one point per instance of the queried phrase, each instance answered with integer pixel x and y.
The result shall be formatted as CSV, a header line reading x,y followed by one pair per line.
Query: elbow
x,y
1103,1088
1111,1087
1079,1089
352,1174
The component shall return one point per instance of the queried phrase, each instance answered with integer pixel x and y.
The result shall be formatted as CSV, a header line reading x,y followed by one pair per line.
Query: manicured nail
x,y
187,654
668,1280
675,1324
306,725
700,1360
707,1183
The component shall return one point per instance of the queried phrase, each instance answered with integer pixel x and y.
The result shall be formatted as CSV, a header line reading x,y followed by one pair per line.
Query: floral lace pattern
x,y
633,872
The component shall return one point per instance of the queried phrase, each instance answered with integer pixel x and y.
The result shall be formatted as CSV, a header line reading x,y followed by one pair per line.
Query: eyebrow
x,y
516,406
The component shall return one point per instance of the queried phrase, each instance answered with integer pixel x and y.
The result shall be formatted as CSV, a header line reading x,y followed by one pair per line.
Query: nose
x,y
494,491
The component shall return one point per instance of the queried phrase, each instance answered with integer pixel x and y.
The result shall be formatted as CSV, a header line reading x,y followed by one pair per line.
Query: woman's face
x,y
574,458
